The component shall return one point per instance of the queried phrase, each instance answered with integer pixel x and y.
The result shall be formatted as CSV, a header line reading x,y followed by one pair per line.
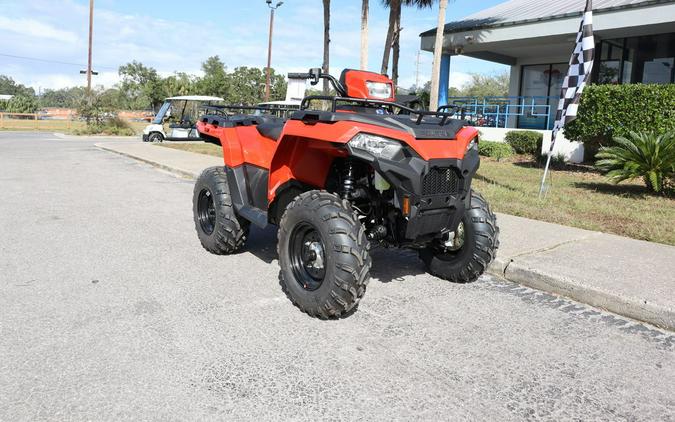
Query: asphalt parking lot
x,y
111,310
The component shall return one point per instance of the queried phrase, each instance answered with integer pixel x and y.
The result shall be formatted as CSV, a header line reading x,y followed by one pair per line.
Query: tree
x,y
142,85
392,43
438,50
64,97
9,87
487,85
394,12
180,83
248,86
326,43
364,35
215,80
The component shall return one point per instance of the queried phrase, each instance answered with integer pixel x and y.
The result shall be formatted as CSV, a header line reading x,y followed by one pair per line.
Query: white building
x,y
635,43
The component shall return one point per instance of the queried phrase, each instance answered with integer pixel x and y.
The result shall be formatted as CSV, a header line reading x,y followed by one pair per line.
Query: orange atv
x,y
362,170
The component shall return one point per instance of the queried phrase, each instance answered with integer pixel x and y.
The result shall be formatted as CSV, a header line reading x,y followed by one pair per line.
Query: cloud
x,y
182,41
36,29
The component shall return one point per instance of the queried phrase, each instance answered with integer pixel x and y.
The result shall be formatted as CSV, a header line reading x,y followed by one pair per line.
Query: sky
x,y
177,36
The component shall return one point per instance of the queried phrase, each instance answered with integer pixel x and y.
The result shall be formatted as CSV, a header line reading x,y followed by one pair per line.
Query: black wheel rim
x,y
308,256
445,254
206,211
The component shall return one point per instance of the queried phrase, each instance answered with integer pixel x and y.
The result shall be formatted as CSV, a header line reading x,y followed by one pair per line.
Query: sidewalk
x,y
629,277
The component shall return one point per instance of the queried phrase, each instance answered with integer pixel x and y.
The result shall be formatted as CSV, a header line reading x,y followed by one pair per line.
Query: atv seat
x,y
271,129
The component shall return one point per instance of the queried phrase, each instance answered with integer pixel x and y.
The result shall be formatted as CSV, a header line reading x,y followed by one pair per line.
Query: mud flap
x,y
246,185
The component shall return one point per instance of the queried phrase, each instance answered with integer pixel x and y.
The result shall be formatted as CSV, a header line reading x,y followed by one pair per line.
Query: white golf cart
x,y
177,117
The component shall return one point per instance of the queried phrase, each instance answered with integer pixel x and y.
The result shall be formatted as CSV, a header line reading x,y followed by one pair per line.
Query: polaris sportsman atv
x,y
364,170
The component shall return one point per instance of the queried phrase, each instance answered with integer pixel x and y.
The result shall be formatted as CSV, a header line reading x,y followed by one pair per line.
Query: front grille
x,y
440,181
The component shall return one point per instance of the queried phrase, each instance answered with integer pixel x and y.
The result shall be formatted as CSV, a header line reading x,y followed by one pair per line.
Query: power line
x,y
52,61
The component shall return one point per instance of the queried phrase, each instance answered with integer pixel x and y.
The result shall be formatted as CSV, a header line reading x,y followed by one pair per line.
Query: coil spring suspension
x,y
348,182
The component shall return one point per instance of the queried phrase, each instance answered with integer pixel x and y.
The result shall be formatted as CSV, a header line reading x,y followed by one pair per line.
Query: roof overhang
x,y
506,44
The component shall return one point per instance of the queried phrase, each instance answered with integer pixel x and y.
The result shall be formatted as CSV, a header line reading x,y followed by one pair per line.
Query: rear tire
x,y
323,255
481,240
219,229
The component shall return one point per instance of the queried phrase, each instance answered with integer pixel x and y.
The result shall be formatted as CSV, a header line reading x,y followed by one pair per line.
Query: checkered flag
x,y
581,65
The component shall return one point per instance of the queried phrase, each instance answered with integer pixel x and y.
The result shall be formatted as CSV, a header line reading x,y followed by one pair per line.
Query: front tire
x,y
323,255
219,229
155,137
480,243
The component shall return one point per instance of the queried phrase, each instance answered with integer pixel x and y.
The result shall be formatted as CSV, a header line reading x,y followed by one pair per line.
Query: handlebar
x,y
299,76
315,75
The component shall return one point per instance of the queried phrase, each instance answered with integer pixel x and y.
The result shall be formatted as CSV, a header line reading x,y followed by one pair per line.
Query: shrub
x,y
496,150
640,155
524,141
22,104
607,112
559,160
109,126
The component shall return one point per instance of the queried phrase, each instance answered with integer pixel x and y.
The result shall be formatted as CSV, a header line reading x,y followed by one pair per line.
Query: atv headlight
x,y
380,90
376,145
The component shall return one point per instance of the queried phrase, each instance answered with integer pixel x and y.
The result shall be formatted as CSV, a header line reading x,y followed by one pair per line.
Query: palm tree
x,y
326,43
392,42
646,155
364,35
438,50
394,14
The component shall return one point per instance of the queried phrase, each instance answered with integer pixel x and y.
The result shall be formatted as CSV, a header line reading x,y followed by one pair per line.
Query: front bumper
x,y
438,191
145,137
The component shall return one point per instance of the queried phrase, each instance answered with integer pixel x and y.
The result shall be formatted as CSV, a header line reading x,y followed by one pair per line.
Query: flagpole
x,y
580,67
554,134
543,179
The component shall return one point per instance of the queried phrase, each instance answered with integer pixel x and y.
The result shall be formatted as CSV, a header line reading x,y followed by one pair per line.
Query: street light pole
x,y
269,47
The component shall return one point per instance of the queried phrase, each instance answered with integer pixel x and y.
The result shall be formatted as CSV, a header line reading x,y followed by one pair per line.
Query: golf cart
x,y
177,117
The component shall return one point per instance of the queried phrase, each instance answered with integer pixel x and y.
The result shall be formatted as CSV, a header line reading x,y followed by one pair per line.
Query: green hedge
x,y
608,111
496,150
524,141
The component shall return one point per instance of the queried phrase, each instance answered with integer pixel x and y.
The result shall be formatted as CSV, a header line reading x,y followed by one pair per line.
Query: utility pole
x,y
91,31
269,47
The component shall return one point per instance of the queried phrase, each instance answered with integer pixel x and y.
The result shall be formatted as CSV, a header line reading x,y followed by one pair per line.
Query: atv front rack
x,y
403,110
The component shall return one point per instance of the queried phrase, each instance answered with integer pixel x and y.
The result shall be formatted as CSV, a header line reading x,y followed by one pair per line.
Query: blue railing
x,y
524,112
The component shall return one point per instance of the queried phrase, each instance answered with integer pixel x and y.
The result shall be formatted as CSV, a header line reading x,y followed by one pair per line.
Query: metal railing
x,y
525,112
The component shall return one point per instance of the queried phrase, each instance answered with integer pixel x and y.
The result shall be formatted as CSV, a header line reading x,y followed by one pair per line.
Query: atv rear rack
x,y
403,109
220,110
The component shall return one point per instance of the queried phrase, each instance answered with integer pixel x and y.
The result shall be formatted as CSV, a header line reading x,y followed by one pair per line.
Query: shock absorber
x,y
348,182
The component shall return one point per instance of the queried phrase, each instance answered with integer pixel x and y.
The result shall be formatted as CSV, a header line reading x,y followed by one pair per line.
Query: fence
x,y
39,121
525,112
36,121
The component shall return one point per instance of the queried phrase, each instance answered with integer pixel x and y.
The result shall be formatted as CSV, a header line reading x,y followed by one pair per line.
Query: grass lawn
x,y
578,197
55,125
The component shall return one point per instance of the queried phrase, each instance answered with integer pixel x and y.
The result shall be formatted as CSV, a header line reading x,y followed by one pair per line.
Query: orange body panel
x,y
304,152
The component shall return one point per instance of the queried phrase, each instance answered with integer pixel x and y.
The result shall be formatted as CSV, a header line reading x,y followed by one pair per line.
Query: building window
x,y
611,59
541,85
647,59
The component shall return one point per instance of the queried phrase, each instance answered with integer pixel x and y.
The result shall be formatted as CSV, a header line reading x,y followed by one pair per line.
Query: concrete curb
x,y
630,307
511,270
180,172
